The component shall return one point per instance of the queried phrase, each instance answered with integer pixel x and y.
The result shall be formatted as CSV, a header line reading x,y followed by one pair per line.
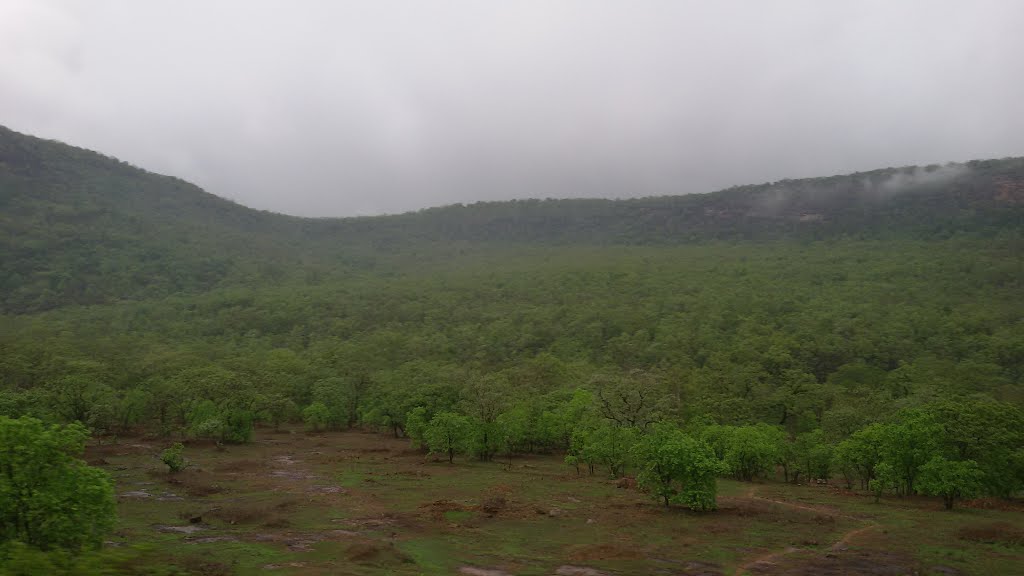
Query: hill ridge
x,y
85,228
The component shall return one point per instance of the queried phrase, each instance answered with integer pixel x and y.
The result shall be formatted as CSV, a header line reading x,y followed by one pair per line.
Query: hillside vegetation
x,y
866,328
82,228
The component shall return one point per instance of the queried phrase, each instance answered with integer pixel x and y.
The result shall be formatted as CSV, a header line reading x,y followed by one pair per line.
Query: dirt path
x,y
770,557
750,495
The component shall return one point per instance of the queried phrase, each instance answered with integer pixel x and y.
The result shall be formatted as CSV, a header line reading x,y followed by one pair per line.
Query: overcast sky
x,y
347,108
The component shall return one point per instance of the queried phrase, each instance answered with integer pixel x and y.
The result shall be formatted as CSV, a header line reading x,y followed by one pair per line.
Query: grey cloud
x,y
341,108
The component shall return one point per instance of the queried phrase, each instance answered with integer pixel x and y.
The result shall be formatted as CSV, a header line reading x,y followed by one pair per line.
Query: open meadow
x,y
292,502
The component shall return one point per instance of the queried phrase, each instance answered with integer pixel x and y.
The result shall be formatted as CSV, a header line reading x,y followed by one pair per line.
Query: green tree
x,y
951,479
416,423
513,429
752,451
612,446
988,432
886,478
448,433
48,497
908,443
812,455
677,468
858,455
316,416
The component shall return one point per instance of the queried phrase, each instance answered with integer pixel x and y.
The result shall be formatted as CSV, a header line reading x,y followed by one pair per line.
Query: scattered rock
x,y
211,539
327,490
555,512
179,529
591,521
288,565
136,494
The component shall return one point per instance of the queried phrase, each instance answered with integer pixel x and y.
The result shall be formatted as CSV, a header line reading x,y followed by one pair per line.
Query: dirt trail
x,y
769,557
750,495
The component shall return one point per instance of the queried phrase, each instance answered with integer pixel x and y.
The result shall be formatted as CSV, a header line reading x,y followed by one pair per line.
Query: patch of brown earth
x,y
993,533
437,508
475,571
860,562
607,551
244,514
376,552
1000,504
568,570
238,466
202,567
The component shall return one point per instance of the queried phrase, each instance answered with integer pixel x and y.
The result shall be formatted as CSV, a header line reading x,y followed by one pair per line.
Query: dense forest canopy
x,y
814,317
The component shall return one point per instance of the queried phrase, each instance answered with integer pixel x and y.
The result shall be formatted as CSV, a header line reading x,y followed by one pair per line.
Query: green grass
x,y
354,503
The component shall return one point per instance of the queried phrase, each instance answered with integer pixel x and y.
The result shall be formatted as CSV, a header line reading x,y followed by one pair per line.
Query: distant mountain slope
x,y
83,228
79,227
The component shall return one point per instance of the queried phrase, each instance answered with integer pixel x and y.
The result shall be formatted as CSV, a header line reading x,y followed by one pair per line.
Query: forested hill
x,y
83,228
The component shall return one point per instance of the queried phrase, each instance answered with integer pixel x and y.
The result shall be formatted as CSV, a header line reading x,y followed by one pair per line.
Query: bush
x,y
316,416
173,458
49,498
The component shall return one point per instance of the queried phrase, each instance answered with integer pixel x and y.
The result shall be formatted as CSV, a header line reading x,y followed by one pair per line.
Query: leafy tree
x,y
48,497
812,455
858,455
513,430
132,409
275,408
611,445
630,400
582,450
416,423
951,479
677,468
988,432
886,478
316,416
205,421
752,451
484,401
448,433
341,397
238,425
908,443
569,415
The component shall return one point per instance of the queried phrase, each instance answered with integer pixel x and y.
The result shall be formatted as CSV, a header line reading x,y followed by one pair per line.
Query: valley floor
x,y
361,503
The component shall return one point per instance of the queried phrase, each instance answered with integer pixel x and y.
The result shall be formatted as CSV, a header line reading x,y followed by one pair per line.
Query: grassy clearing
x,y
355,503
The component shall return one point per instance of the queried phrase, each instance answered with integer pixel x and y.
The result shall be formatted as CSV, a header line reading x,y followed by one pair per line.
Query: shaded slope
x,y
82,228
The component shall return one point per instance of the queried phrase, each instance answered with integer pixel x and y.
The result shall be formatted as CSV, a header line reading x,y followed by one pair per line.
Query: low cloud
x,y
331,108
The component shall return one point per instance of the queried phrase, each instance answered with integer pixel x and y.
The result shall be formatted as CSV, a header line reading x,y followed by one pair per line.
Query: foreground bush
x,y
49,499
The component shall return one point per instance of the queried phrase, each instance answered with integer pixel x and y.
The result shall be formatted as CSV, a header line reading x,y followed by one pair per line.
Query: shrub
x,y
173,458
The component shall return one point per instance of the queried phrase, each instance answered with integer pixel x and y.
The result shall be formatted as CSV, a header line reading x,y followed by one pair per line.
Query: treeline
x,y
629,423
